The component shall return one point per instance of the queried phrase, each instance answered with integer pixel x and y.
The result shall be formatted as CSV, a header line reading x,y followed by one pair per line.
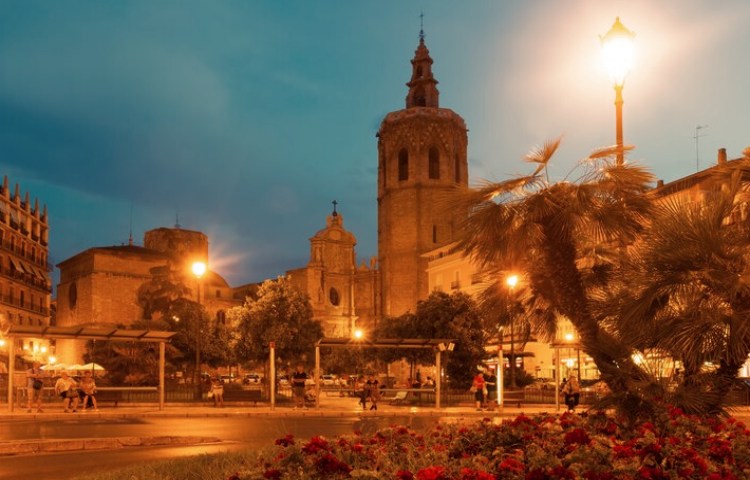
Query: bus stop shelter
x,y
87,333
439,345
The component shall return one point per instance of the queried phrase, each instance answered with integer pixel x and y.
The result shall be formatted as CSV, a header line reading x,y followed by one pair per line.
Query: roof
x,y
90,333
385,342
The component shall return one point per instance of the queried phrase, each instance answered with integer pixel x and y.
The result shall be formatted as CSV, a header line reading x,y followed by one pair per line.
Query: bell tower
x,y
421,156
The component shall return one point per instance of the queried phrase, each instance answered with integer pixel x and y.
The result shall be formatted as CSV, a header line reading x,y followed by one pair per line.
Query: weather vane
x,y
421,26
334,207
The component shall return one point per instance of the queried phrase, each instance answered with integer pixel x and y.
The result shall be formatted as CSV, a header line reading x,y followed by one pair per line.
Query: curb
x,y
24,447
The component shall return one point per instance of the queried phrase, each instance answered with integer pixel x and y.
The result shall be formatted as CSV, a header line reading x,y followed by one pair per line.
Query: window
x,y
221,317
403,165
23,298
419,98
434,163
457,168
72,295
218,293
333,296
419,72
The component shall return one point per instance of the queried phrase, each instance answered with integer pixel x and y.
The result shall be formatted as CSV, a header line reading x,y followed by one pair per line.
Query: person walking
x,y
66,388
88,387
372,386
572,392
35,385
360,387
478,386
217,391
298,386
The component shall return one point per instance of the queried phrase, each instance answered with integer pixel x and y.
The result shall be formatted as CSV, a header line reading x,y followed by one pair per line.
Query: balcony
x,y
16,302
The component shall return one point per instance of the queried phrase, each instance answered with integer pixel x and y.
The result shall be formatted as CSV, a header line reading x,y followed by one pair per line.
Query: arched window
x,y
403,165
419,98
457,168
434,165
221,317
419,71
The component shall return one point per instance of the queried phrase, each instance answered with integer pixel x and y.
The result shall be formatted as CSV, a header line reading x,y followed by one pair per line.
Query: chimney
x,y
659,183
722,158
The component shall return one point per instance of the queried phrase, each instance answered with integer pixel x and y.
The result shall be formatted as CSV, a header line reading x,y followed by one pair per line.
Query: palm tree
x,y
691,295
569,237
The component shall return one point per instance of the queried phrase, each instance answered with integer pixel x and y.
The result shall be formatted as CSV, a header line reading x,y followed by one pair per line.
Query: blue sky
x,y
247,118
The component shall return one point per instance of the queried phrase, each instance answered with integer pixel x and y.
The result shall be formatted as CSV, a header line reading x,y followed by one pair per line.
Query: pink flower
x,y
330,465
512,465
315,445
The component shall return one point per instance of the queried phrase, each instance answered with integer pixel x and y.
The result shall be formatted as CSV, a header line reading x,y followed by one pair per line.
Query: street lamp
x,y
199,269
618,53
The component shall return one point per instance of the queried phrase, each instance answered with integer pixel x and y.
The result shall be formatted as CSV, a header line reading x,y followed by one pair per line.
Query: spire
x,y
335,213
423,90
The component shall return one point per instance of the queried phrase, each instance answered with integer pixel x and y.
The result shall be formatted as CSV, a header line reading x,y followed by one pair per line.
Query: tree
x,y
579,244
281,314
690,298
441,316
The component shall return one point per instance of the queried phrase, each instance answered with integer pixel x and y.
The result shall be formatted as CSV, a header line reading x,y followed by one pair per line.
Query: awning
x,y
17,264
90,333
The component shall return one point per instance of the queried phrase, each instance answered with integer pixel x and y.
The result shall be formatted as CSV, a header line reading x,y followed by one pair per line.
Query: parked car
x,y
250,378
328,380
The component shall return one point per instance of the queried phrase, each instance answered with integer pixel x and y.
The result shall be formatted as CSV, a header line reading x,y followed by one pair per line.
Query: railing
x,y
16,302
16,249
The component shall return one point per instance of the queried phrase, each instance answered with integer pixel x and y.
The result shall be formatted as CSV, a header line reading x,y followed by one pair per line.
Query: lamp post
x,y
198,269
512,281
617,50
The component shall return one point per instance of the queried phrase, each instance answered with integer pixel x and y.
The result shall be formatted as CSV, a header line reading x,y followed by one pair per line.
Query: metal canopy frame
x,y
439,345
78,332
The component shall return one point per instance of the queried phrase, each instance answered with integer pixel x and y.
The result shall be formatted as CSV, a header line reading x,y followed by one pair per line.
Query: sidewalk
x,y
329,407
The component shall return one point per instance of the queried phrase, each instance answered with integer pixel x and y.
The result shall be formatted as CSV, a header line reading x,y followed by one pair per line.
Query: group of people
x,y
484,387
368,390
66,387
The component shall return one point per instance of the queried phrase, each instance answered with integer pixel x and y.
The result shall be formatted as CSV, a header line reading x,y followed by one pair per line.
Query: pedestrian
x,y
490,384
217,391
361,391
478,386
572,392
66,388
298,386
35,385
88,387
372,386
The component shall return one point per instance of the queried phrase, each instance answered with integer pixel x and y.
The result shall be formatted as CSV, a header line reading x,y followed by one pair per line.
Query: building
x,y
25,284
343,296
100,286
421,157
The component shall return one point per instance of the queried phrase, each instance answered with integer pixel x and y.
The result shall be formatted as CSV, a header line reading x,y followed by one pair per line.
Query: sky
x,y
246,119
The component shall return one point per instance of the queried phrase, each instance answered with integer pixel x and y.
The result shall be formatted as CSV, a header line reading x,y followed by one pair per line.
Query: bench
x,y
254,395
399,398
116,394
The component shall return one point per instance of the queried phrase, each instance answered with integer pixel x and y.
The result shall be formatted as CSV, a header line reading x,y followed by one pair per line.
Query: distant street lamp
x,y
512,281
199,269
618,53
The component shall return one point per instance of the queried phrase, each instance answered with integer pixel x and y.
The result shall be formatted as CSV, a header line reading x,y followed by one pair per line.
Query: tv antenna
x,y
698,135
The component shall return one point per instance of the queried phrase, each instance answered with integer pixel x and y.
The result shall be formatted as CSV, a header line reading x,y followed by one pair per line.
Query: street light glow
x,y
512,281
618,52
569,337
199,268
358,334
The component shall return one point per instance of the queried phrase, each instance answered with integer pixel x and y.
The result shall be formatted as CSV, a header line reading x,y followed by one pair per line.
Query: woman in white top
x,y
65,387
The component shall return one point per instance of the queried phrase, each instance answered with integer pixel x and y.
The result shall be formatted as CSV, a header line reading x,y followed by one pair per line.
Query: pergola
x,y
88,333
439,345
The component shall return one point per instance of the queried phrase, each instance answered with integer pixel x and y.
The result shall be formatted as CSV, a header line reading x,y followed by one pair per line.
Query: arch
x,y
403,165
420,100
434,163
419,71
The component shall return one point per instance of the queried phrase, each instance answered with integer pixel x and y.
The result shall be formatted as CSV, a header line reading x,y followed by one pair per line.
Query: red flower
x,y
404,475
577,436
432,473
315,445
470,474
330,465
285,441
512,464
272,474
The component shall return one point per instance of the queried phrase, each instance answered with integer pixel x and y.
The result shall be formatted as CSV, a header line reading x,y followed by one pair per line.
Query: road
x,y
236,432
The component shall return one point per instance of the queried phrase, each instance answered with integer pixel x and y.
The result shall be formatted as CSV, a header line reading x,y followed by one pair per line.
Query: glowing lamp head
x,y
199,268
569,337
358,334
512,280
2,342
618,52
52,359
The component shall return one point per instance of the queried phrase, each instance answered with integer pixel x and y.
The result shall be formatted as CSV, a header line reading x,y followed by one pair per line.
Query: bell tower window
x,y
403,165
434,164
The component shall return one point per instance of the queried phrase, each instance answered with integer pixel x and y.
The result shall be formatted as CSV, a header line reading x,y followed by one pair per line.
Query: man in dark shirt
x,y
298,386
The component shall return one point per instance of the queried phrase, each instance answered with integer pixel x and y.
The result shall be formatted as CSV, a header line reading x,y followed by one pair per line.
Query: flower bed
x,y
590,447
